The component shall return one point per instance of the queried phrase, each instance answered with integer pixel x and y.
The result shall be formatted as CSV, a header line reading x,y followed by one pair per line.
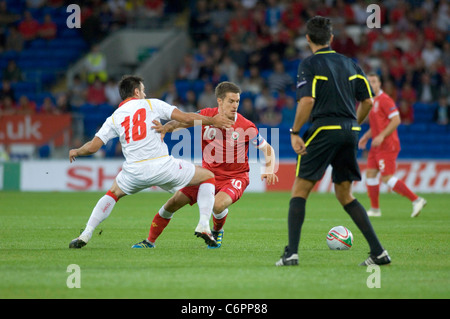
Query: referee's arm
x,y
304,108
363,110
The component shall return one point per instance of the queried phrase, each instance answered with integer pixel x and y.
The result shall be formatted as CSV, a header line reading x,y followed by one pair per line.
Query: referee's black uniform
x,y
336,83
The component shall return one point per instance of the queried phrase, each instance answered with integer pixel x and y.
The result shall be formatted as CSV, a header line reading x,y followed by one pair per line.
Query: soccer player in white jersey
x,y
147,160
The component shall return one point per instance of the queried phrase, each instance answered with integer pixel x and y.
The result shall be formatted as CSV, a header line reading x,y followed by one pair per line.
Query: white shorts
x,y
169,173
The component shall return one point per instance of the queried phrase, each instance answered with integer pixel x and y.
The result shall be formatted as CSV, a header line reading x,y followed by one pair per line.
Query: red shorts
x,y
234,187
385,162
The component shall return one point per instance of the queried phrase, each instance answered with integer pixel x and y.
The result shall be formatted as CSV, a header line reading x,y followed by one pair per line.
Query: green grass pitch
x,y
36,228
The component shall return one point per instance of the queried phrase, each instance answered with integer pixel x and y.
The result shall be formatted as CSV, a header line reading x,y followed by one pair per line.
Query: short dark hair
x,y
225,87
127,85
319,30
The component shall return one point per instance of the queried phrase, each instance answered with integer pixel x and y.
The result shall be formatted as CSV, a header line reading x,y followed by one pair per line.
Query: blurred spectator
x,y
200,21
7,106
443,15
229,68
118,11
48,29
263,99
96,92
205,72
359,8
12,72
408,93
406,112
430,53
273,15
202,53
396,70
171,95
442,115
95,65
343,43
91,31
247,110
7,19
237,53
427,91
288,111
7,90
26,106
279,80
62,103
254,82
207,98
217,76
77,92
190,103
112,92
14,40
220,16
270,116
48,107
28,26
189,70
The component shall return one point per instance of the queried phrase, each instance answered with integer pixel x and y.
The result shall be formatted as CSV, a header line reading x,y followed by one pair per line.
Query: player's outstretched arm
x,y
190,119
270,164
87,149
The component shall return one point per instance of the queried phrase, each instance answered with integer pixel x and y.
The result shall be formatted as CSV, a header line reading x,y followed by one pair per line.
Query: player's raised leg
x,y
401,188
100,212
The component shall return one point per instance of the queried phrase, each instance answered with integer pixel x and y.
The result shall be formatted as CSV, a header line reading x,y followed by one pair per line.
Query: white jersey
x,y
132,122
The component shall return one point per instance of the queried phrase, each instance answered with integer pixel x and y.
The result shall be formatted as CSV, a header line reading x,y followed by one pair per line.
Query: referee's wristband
x,y
293,132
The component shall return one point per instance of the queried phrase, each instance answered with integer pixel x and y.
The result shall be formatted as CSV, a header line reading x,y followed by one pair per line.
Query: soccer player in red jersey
x,y
384,119
225,154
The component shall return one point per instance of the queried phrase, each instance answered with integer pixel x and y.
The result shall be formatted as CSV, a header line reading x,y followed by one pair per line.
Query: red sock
x,y
158,225
402,189
218,223
374,194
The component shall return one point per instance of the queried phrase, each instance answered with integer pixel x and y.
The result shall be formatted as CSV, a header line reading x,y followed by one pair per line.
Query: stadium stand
x,y
412,47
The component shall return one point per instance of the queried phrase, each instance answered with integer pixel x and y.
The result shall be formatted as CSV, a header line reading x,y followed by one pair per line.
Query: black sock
x,y
295,221
360,218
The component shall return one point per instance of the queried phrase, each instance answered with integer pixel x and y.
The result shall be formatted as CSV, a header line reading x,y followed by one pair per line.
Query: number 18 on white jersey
x,y
132,122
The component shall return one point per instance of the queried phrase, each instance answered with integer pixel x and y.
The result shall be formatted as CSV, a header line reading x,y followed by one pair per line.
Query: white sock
x,y
100,212
372,181
392,181
205,201
222,214
164,213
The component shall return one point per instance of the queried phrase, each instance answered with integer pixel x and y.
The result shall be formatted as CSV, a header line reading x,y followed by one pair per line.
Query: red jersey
x,y
225,151
379,117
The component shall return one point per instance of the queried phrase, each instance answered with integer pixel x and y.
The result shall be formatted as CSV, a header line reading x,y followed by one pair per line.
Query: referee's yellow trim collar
x,y
325,50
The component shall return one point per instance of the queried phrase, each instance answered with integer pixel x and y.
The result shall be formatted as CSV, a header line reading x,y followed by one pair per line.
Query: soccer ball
x,y
339,238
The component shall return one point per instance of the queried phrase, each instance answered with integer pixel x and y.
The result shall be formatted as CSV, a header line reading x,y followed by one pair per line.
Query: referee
x,y
328,86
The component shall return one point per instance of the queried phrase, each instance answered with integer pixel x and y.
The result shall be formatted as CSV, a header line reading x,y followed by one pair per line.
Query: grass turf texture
x,y
36,228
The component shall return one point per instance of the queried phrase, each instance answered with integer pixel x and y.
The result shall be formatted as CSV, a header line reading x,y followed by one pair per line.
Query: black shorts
x,y
333,145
